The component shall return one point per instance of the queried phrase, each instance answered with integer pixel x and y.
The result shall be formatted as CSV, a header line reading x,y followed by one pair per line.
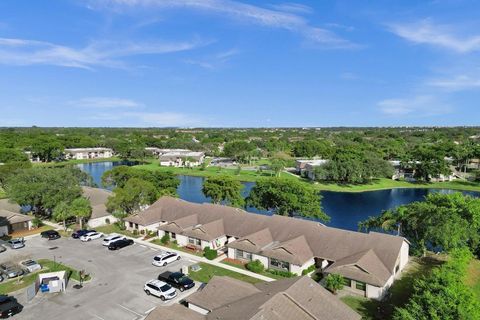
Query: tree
x,y
286,197
8,155
445,221
241,151
62,212
10,169
43,188
223,189
429,162
130,198
334,282
312,148
277,165
47,148
82,209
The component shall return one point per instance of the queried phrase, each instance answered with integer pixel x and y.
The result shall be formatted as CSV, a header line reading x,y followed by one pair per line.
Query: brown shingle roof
x,y
296,251
254,242
5,204
363,266
324,242
174,312
221,291
98,198
9,217
297,298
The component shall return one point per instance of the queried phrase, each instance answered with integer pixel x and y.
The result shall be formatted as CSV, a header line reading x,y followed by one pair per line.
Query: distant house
x,y
178,157
226,298
278,242
98,199
88,153
407,172
306,168
11,218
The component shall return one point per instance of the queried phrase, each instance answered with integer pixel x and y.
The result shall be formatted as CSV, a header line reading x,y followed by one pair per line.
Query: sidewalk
x,y
205,260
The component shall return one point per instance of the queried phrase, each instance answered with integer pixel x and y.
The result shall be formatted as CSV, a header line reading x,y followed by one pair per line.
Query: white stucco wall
x,y
93,223
378,293
181,240
298,269
404,255
231,253
197,308
263,260
3,231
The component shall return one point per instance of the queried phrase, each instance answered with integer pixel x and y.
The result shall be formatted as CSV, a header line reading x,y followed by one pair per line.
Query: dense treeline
x,y
443,293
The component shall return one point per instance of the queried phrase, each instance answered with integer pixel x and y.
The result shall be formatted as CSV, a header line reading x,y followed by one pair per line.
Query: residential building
x,y
225,298
279,242
88,153
98,199
11,218
178,157
306,168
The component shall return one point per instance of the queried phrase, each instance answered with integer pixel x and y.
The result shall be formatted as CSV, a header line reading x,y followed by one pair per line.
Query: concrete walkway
x,y
205,260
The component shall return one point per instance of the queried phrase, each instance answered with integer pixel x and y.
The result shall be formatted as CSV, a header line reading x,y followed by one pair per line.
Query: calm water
x,y
345,209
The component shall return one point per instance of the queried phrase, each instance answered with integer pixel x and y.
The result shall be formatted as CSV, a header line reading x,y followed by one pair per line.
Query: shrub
x,y
282,273
255,266
107,221
37,222
334,282
165,239
135,232
308,270
209,253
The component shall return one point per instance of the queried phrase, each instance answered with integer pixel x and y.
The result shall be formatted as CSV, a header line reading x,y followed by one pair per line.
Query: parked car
x,y
160,289
112,238
50,234
10,270
16,243
120,244
78,233
165,258
177,280
91,236
30,265
9,306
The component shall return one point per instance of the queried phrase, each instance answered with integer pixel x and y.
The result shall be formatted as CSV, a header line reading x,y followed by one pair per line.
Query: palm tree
x,y
62,212
81,209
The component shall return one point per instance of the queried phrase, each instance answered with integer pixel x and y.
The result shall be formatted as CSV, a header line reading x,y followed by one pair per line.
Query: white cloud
x,y
417,106
165,119
214,61
292,7
247,12
426,32
99,53
456,83
105,102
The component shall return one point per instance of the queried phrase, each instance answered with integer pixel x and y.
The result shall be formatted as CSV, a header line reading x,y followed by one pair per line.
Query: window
x,y
360,285
174,235
194,241
397,268
277,264
136,226
131,224
243,255
347,282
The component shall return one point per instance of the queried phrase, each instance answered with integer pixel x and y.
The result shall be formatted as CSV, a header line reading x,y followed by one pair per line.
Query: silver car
x,y
16,243
10,270
30,265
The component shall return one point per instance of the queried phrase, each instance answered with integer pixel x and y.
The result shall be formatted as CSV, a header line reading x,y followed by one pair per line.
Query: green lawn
x,y
379,184
177,247
208,271
473,276
244,175
400,291
264,273
47,266
113,228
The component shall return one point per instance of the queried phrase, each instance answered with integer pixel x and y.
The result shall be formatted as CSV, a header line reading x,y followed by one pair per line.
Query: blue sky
x,y
156,63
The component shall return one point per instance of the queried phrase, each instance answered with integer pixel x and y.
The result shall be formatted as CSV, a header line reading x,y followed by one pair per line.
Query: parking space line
x,y
98,317
130,310
153,249
143,246
149,310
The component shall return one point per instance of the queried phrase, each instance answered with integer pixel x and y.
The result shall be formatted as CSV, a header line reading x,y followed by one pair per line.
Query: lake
x,y
345,209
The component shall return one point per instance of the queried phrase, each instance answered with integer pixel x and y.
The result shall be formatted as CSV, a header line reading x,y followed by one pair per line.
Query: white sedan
x,y
30,265
91,236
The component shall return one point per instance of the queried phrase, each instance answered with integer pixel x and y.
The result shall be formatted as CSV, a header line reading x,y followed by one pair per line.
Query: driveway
x,y
114,293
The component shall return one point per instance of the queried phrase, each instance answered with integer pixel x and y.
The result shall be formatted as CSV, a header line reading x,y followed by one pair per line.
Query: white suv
x,y
112,238
91,236
165,258
160,289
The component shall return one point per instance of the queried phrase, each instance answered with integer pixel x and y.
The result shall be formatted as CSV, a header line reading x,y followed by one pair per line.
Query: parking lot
x,y
114,293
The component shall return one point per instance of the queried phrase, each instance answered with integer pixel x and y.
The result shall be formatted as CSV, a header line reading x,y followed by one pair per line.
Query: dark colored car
x,y
177,280
120,244
78,233
50,234
9,306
